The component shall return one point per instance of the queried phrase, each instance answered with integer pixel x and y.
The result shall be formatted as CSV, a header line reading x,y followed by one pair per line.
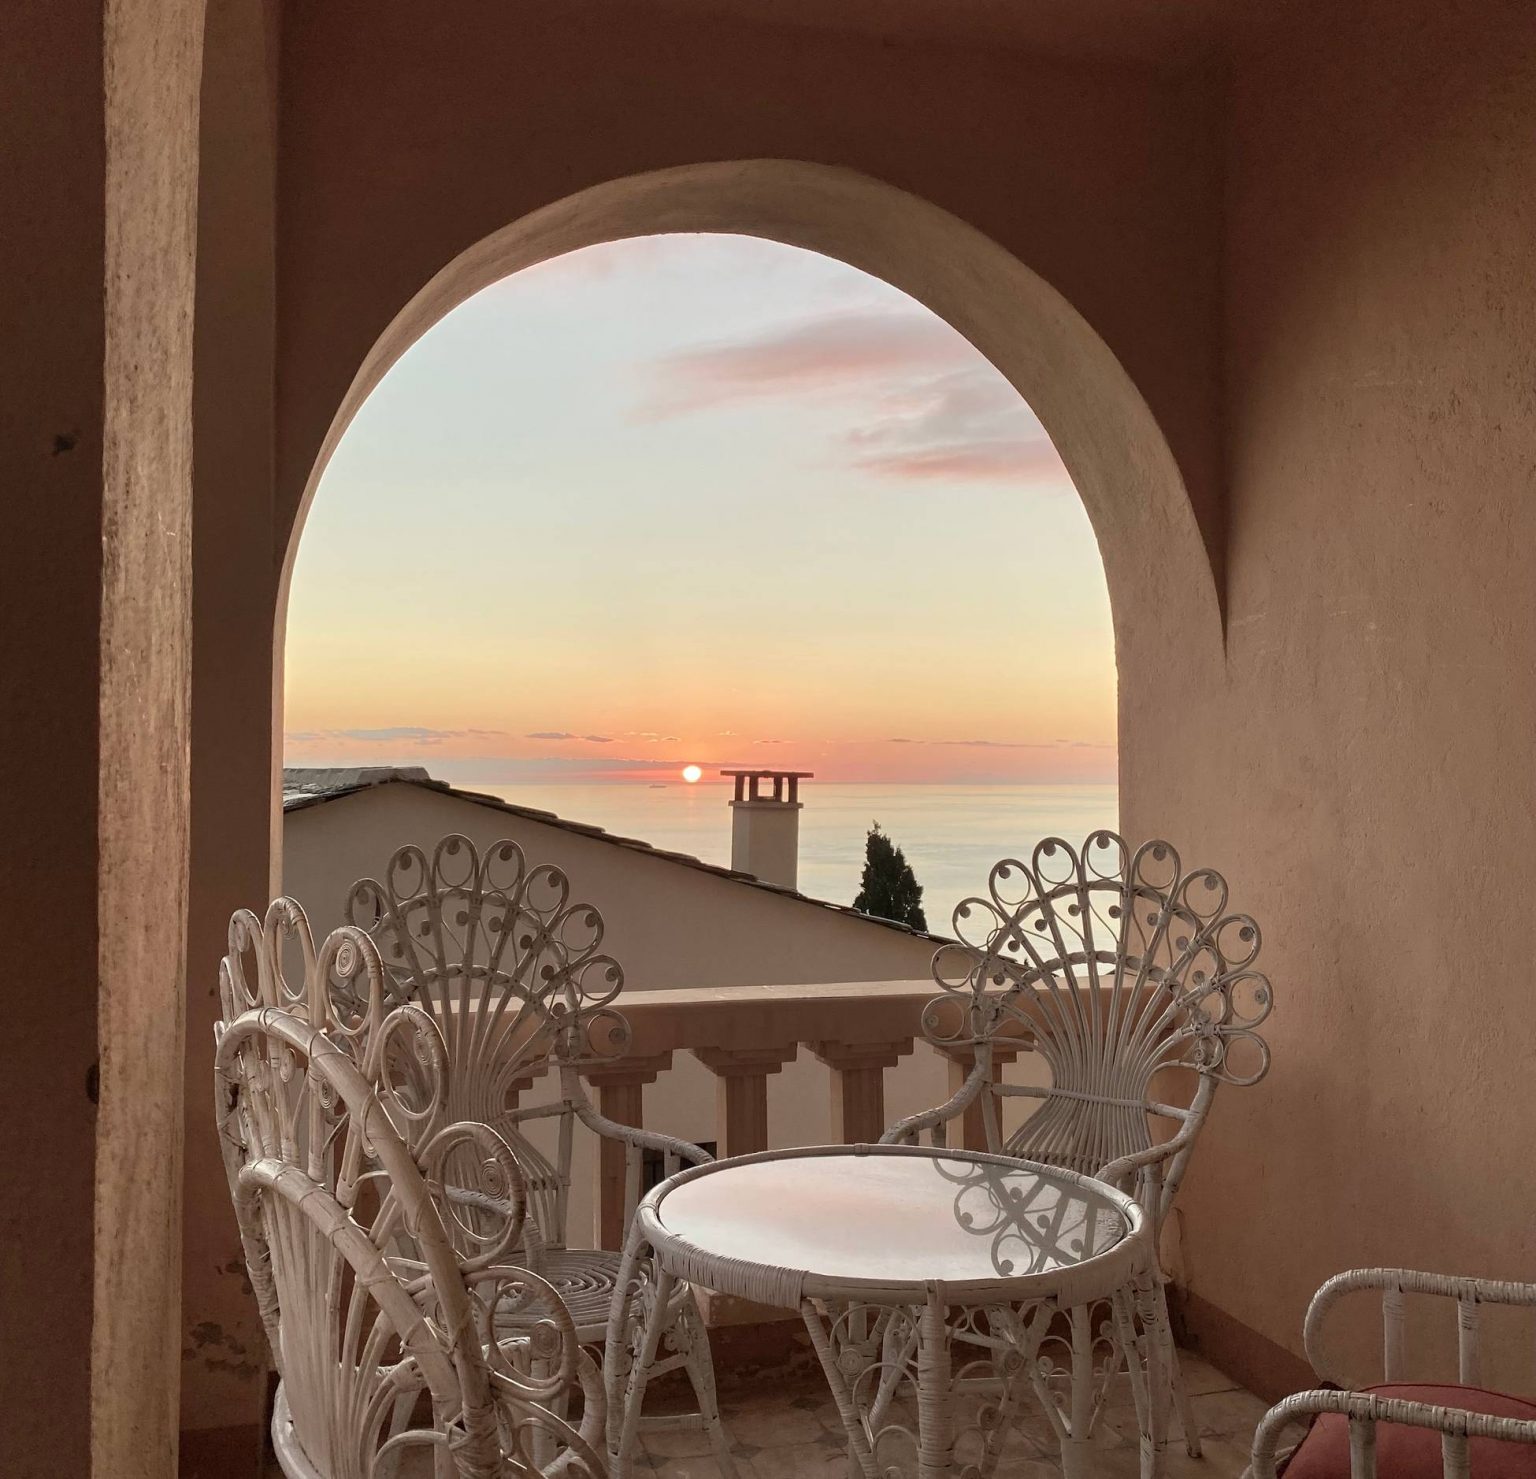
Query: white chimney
x,y
765,830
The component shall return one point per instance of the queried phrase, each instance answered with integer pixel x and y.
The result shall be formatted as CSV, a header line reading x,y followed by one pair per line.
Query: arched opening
x,y
1162,589
673,505
1167,621
1169,643
1167,630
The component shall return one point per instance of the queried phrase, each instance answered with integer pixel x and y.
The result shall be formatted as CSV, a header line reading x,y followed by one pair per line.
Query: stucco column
x,y
741,1093
858,1086
620,1087
51,430
96,270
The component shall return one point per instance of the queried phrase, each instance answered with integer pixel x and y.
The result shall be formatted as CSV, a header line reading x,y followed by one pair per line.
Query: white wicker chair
x,y
1402,1427
512,972
1115,966
331,1114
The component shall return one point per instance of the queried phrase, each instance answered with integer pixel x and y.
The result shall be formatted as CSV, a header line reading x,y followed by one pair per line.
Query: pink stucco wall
x,y
1311,262
1302,234
1367,773
1314,261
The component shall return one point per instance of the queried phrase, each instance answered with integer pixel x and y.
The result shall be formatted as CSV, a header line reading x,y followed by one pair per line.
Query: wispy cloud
x,y
565,734
991,744
513,769
413,734
969,424
929,405
838,349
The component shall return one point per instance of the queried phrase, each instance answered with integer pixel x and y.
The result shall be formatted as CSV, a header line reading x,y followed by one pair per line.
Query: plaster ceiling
x,y
1162,31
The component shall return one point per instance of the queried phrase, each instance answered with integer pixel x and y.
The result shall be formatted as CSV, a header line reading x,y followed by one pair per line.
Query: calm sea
x,y
951,834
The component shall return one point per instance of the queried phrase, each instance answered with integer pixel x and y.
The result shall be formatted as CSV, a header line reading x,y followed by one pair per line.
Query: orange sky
x,y
699,499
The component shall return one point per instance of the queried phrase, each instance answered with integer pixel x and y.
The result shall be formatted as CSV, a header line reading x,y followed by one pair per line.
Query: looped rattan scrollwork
x,y
1101,949
1032,1224
477,1182
341,988
497,952
512,971
375,1234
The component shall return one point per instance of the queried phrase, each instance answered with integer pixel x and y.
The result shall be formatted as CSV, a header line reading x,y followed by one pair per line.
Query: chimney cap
x,y
748,781
799,775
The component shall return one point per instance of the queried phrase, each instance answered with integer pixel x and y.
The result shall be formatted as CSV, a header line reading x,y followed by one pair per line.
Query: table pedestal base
x,y
899,1377
988,1260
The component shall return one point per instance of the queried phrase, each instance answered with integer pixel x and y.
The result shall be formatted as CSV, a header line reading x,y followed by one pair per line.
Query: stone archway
x,y
1163,593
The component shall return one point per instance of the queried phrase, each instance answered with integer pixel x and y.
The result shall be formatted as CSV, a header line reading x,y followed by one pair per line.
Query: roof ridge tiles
x,y
299,795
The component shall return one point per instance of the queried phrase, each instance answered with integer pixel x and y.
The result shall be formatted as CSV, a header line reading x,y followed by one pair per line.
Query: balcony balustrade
x,y
860,1031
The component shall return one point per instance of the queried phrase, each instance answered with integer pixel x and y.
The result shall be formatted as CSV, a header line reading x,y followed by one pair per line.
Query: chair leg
x,y
1076,1457
638,1377
689,1331
542,1442
1133,1345
1157,1352
1185,1406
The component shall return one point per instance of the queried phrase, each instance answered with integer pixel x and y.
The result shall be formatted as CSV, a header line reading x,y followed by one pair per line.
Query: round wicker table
x,y
900,1260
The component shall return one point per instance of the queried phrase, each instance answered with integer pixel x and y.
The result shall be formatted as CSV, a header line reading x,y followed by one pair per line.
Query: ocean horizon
x,y
951,834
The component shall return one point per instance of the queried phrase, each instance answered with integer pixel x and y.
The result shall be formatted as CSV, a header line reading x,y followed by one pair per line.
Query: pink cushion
x,y
1414,1453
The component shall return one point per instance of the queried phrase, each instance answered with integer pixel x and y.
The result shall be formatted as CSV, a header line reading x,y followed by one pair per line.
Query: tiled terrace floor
x,y
793,1432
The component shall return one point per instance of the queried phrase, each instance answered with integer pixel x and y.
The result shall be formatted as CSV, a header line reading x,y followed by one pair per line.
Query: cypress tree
x,y
889,890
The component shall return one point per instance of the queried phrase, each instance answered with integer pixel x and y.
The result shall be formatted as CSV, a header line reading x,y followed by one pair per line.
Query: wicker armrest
x,y
1120,1172
1393,1284
685,1151
906,1131
1364,1410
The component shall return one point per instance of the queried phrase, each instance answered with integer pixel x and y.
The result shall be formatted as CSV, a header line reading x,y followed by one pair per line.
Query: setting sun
x,y
692,774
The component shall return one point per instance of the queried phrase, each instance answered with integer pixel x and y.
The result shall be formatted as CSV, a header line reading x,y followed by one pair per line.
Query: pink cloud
x,y
966,425
1003,461
926,405
840,349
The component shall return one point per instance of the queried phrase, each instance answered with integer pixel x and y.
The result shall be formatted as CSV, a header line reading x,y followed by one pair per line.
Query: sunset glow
x,y
685,503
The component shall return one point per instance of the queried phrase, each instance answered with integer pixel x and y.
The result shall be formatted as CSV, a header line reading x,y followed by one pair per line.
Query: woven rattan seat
x,y
585,1279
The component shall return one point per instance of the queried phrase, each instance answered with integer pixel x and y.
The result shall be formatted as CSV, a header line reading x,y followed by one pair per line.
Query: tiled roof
x,y
306,787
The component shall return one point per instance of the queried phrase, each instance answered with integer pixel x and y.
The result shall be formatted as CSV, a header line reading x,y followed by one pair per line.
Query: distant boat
x,y
658,786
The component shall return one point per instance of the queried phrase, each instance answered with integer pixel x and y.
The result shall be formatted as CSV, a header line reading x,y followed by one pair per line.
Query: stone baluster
x,y
741,1093
858,1085
619,1089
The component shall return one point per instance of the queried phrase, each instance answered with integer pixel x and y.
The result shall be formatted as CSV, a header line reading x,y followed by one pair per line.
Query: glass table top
x,y
896,1218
